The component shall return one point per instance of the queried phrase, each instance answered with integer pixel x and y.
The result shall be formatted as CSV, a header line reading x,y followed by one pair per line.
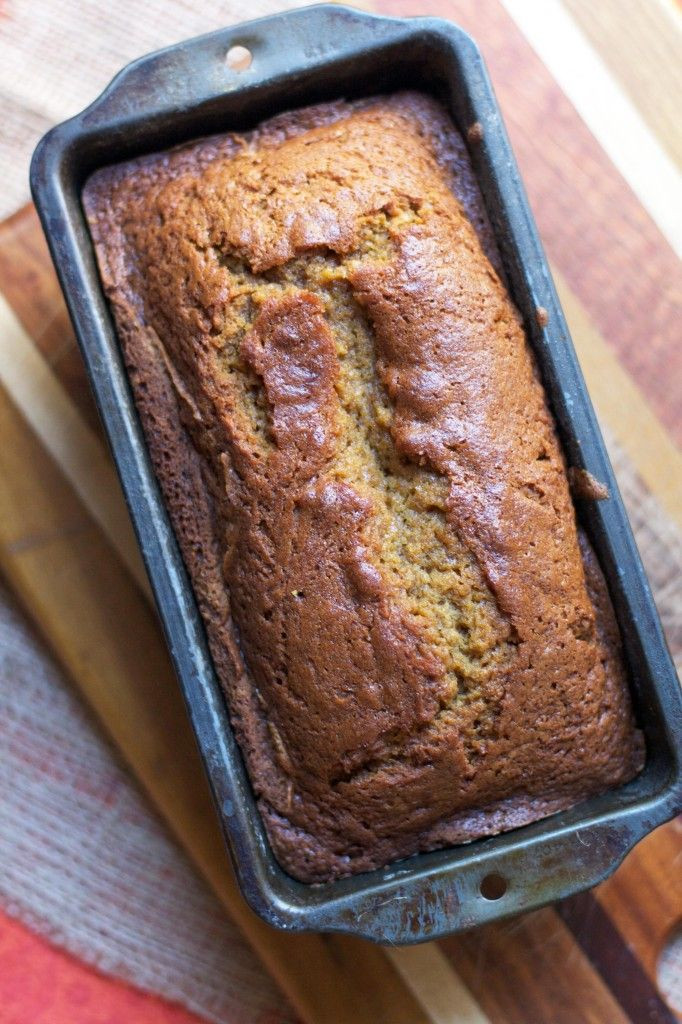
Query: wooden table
x,y
68,549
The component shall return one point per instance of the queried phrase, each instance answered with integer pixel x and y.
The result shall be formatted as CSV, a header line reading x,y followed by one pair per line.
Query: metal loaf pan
x,y
302,57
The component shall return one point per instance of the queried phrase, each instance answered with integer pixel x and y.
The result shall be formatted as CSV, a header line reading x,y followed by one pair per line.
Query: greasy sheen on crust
x,y
355,449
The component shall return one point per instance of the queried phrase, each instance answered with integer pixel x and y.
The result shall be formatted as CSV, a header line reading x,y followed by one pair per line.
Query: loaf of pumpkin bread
x,y
357,456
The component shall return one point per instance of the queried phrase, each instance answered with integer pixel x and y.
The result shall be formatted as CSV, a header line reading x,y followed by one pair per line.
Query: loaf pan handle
x,y
197,72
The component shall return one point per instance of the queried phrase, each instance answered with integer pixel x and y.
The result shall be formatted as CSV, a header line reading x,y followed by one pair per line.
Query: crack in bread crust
x,y
356,452
418,554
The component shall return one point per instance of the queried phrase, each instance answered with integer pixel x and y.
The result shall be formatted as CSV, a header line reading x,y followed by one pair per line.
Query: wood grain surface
x,y
625,31
592,958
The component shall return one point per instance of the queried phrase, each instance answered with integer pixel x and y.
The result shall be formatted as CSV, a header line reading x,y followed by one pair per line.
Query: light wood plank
x,y
641,43
63,432
606,109
429,975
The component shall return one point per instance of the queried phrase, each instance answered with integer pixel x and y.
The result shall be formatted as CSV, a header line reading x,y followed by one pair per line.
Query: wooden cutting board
x,y
67,548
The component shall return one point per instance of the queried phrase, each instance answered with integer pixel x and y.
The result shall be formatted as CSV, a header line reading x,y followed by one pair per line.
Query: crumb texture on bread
x,y
354,445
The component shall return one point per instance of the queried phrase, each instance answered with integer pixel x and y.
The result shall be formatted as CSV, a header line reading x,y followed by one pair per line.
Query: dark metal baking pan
x,y
302,57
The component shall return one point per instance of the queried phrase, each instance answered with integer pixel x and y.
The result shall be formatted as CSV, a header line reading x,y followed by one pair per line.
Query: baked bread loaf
x,y
364,478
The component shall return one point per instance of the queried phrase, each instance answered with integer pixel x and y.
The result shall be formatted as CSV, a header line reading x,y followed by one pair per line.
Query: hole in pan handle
x,y
238,58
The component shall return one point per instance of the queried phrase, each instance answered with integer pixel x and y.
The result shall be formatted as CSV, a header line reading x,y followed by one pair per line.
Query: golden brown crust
x,y
365,481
